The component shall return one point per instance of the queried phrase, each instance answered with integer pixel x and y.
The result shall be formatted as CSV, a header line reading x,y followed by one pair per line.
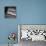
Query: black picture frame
x,y
10,11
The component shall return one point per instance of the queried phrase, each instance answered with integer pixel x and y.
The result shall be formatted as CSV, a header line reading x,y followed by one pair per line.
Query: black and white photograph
x,y
31,34
10,12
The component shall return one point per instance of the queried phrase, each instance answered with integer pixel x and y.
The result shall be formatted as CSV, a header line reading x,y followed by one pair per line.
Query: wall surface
x,y
28,12
33,12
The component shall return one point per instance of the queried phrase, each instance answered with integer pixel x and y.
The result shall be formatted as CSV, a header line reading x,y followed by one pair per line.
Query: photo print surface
x,y
10,12
33,32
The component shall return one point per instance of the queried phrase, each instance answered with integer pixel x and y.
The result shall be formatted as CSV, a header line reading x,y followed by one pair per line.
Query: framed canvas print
x,y
31,34
10,11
